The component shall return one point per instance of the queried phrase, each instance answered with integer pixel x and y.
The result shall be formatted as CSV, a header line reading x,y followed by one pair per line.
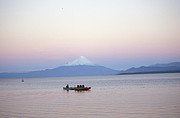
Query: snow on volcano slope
x,y
80,61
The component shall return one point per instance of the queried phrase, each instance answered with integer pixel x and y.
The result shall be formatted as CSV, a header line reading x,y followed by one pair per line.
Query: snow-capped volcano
x,y
79,67
80,61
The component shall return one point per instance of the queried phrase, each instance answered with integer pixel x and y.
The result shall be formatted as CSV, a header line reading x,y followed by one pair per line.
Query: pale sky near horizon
x,y
39,34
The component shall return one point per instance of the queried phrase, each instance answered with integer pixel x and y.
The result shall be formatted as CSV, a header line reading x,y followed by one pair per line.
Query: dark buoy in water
x,y
22,80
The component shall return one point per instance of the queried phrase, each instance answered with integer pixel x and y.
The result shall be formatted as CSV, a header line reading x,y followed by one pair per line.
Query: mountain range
x,y
79,67
84,67
173,67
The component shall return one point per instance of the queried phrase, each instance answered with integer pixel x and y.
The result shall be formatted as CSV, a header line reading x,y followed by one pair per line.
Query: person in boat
x,y
67,86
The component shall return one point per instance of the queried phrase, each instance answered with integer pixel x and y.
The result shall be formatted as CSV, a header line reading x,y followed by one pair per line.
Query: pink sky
x,y
118,34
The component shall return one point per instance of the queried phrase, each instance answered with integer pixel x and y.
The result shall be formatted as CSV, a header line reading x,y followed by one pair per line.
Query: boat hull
x,y
83,88
77,88
70,88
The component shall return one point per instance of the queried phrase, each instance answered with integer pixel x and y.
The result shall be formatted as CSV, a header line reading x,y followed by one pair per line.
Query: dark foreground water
x,y
121,96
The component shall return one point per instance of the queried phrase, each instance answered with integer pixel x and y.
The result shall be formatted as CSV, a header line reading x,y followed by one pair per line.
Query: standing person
x,y
67,86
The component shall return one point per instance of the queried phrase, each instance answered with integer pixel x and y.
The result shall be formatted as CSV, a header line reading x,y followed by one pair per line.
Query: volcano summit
x,y
81,61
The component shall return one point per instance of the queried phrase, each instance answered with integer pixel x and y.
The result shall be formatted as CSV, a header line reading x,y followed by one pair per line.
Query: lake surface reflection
x,y
119,96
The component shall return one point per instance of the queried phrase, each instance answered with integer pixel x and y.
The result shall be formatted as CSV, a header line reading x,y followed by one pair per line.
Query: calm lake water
x,y
119,96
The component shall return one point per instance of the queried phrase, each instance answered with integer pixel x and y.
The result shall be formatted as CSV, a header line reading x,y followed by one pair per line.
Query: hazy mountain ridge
x,y
177,64
79,67
64,71
83,67
156,68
